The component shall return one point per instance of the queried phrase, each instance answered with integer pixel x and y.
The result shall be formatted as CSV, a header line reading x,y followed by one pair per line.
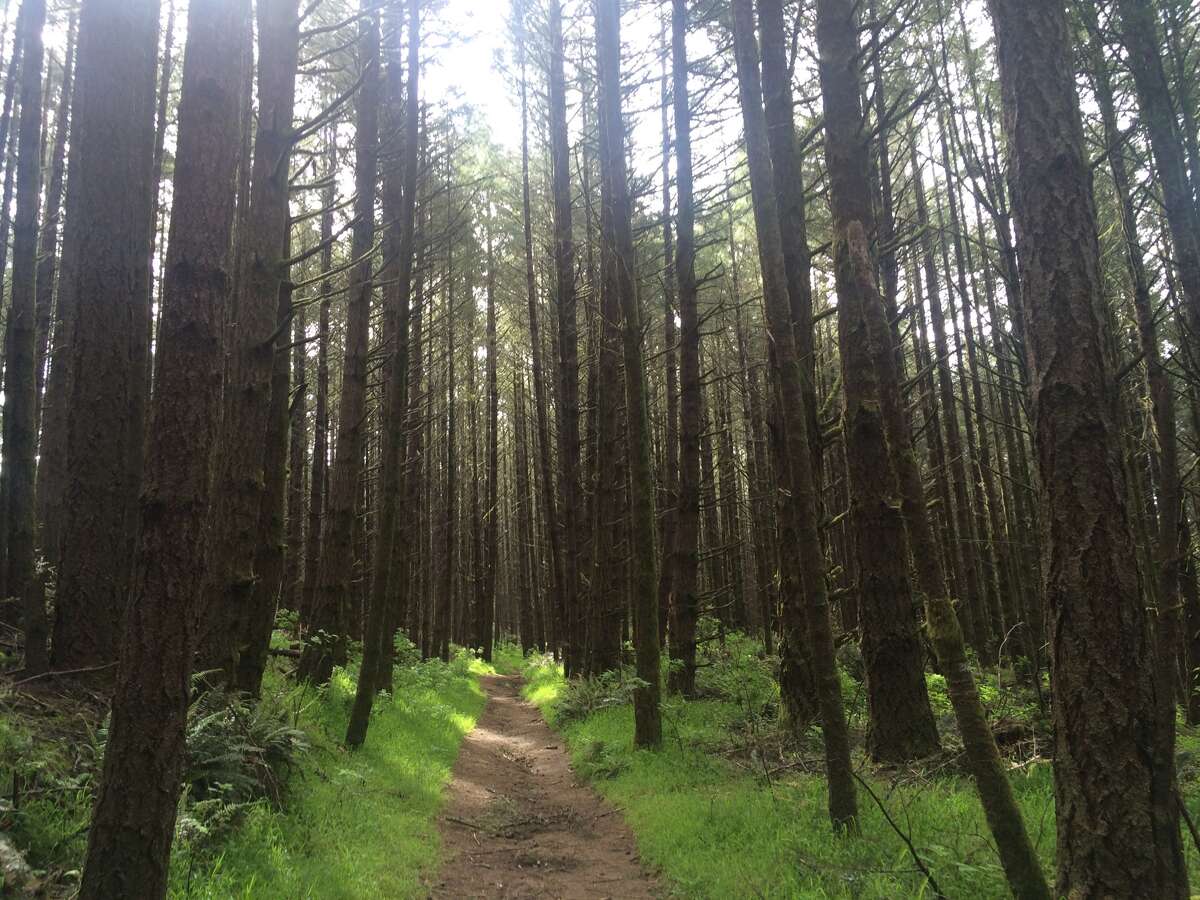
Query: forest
x,y
599,449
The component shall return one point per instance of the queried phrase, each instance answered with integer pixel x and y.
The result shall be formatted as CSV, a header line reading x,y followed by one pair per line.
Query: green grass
x,y
715,829
353,825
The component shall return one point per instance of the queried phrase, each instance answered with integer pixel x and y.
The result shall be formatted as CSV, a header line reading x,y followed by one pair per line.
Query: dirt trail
x,y
518,824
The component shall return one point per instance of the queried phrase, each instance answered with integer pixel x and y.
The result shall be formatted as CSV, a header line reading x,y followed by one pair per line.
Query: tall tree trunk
x,y
796,681
393,469
1143,42
571,491
20,382
269,555
901,720
52,449
228,644
448,559
957,519
293,576
487,610
1170,547
320,455
47,270
524,514
129,843
685,605
670,481
799,520
113,123
540,399
1115,793
389,574
618,242
731,513
330,612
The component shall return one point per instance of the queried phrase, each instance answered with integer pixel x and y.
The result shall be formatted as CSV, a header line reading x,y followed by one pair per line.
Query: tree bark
x,y
20,381
330,612
228,642
129,843
392,465
1115,793
113,116
685,605
799,521
901,720
622,264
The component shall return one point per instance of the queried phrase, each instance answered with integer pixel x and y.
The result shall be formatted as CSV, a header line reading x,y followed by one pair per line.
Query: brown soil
x,y
518,824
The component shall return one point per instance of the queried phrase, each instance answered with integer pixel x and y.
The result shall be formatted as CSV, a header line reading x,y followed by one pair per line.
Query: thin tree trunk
x,y
293,576
330,614
393,468
20,382
320,454
1170,548
1138,29
684,608
487,611
669,528
47,270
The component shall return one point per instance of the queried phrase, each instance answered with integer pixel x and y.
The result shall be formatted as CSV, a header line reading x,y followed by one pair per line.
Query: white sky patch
x,y
464,63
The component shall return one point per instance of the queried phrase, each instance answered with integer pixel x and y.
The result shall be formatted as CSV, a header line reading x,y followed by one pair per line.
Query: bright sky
x,y
465,63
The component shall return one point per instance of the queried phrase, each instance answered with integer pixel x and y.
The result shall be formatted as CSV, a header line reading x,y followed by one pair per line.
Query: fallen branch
x,y
929,879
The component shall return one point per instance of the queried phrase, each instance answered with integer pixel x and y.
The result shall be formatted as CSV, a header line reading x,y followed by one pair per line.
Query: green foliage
x,y
49,754
353,825
736,669
508,658
585,696
717,827
238,749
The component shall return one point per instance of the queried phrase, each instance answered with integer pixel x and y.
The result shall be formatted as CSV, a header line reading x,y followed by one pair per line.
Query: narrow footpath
x,y
518,824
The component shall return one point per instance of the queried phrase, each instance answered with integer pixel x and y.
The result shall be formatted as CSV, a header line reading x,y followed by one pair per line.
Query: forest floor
x,y
519,824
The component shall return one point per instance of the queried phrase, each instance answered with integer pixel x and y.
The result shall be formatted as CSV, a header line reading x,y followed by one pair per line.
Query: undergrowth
x,y
730,807
273,806
359,824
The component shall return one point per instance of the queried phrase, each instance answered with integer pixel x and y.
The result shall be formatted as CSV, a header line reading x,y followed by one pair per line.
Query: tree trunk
x,y
228,639
1170,547
113,124
669,530
47,270
685,605
129,843
487,610
1115,793
392,471
799,521
320,455
901,720
330,612
20,382
622,263
1143,42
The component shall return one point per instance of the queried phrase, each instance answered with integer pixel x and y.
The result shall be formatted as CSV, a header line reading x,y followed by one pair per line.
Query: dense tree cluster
x,y
838,322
